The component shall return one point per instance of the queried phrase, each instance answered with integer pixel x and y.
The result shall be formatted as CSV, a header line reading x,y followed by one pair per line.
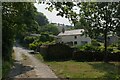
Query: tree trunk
x,y
105,45
105,36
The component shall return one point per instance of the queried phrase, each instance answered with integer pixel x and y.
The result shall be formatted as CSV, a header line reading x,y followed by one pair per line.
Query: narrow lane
x,y
27,66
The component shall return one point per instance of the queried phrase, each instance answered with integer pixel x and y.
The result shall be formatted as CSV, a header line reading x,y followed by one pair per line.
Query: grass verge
x,y
73,69
7,65
39,57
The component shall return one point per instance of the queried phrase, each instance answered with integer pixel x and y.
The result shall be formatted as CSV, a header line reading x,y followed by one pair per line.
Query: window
x,y
75,37
70,43
75,42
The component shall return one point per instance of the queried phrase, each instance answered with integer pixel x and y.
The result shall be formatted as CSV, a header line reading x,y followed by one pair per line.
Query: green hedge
x,y
95,56
87,52
64,52
57,52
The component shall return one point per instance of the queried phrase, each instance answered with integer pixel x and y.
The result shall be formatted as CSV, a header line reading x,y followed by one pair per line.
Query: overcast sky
x,y
51,15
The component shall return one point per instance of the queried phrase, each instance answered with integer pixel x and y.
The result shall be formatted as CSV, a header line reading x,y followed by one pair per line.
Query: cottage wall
x,y
75,39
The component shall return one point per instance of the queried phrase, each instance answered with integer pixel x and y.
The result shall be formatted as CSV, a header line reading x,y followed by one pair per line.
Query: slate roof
x,y
35,35
72,32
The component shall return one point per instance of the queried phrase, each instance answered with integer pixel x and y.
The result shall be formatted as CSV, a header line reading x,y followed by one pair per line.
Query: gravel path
x,y
27,66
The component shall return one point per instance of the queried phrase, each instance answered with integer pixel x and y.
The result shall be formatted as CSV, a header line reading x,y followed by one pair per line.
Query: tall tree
x,y
118,14
41,19
15,19
101,18
50,28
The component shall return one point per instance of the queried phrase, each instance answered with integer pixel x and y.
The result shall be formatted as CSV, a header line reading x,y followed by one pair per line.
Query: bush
x,y
113,45
78,48
48,43
118,44
95,43
110,49
101,48
94,46
29,39
45,37
34,45
89,47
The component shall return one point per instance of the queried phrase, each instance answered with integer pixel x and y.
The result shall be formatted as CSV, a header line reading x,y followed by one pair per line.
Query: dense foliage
x,y
41,19
49,28
15,20
34,42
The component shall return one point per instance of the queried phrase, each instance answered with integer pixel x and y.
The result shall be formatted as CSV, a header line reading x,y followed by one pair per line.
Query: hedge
x,y
56,52
95,56
64,52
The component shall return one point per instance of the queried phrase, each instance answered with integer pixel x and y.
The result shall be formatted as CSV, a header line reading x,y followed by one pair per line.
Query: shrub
x,y
95,43
29,39
101,48
34,45
94,46
45,37
113,45
78,48
110,49
118,44
48,43
89,47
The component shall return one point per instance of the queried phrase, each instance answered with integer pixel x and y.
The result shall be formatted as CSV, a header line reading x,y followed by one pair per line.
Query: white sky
x,y
51,15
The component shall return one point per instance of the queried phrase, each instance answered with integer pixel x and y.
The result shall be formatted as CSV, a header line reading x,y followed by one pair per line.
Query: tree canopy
x,y
41,19
50,28
96,18
15,20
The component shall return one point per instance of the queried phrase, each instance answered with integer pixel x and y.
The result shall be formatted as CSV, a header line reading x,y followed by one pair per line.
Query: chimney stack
x,y
63,29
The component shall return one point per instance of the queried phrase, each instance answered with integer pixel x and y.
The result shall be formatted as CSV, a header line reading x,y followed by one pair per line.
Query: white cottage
x,y
73,37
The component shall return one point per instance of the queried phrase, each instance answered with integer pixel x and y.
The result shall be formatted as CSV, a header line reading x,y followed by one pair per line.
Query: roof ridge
x,y
71,32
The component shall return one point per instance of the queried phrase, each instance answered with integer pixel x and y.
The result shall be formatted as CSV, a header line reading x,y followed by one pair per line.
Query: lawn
x,y
73,69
